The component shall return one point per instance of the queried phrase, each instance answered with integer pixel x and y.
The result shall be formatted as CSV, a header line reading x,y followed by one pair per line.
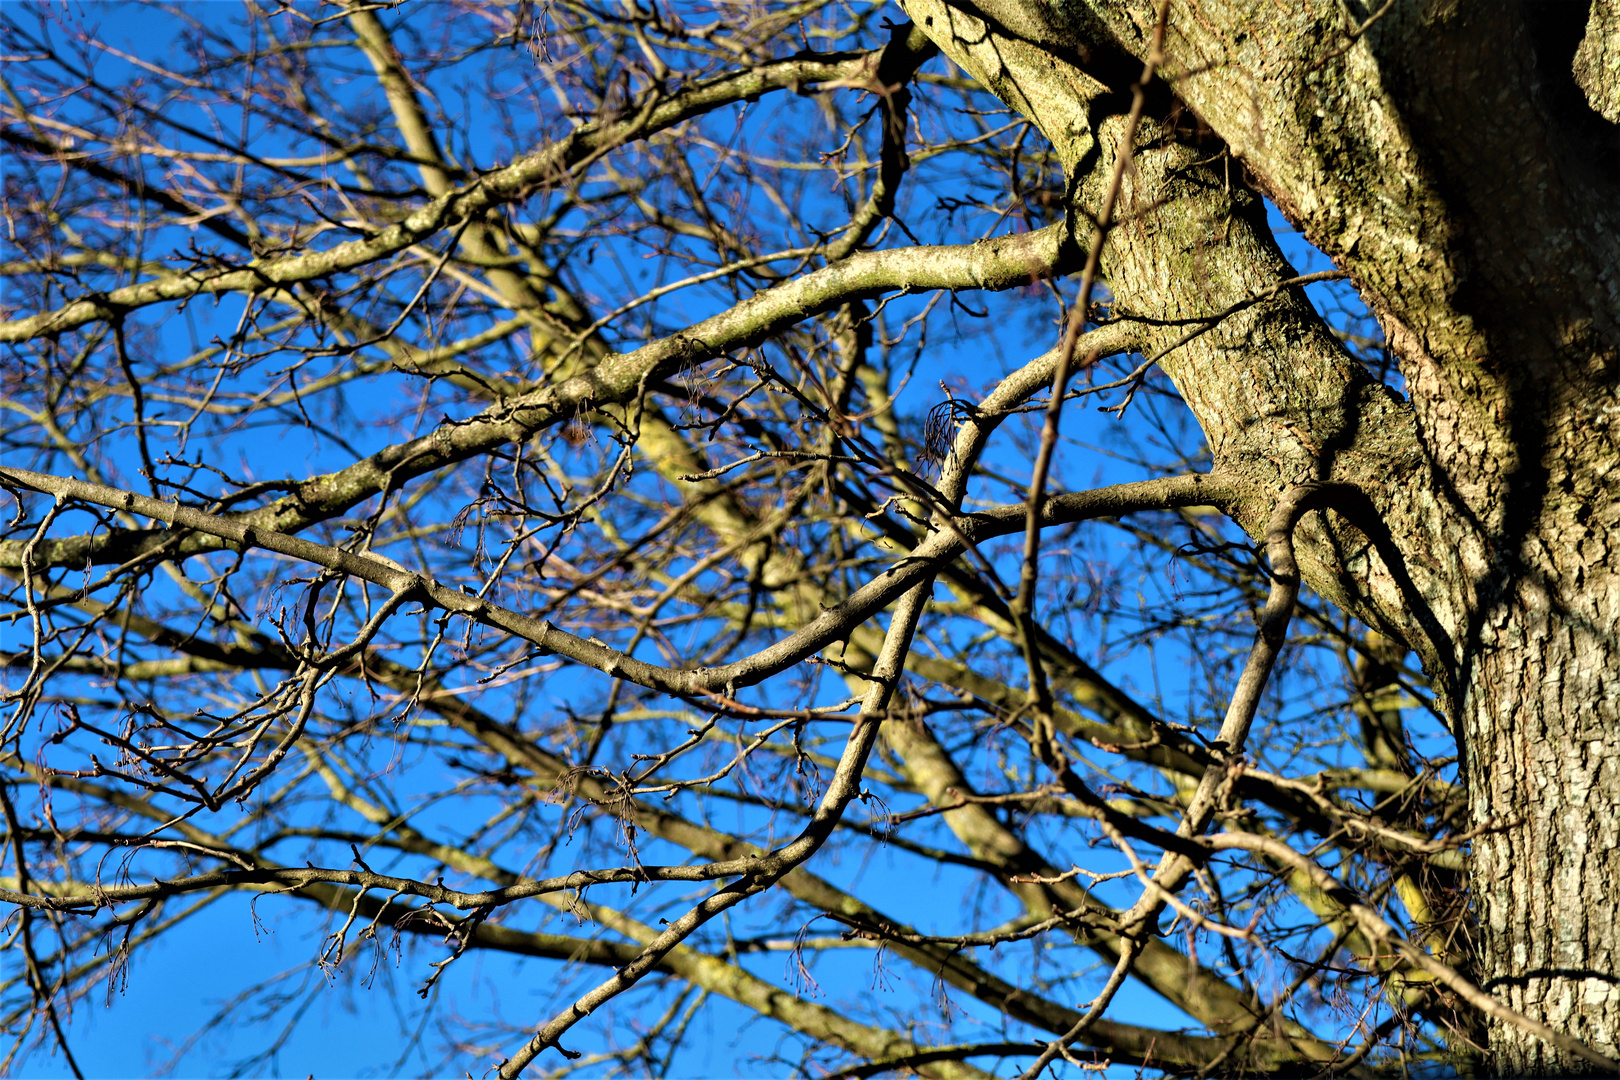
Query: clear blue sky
x,y
351,1024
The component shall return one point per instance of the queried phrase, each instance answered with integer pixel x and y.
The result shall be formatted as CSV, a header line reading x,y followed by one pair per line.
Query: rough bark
x,y
1445,158
1597,61
1460,165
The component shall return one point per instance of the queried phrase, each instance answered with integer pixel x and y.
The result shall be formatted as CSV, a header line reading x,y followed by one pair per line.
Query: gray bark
x,y
1433,152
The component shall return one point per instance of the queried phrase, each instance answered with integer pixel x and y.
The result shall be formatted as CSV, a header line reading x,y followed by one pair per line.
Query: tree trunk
x,y
1539,724
1447,160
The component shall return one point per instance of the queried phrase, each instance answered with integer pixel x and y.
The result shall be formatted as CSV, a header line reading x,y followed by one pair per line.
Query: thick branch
x,y
651,112
1003,263
831,625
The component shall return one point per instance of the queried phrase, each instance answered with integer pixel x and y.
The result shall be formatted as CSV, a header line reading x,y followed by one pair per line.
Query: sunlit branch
x,y
545,167
832,625
998,264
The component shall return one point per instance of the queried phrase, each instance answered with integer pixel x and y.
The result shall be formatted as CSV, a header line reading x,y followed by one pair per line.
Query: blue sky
x,y
350,1024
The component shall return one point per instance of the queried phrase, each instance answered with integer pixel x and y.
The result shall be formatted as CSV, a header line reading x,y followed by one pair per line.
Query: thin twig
x,y
1024,606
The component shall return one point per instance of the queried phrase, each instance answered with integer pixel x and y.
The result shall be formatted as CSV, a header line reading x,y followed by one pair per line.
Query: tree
x,y
479,468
